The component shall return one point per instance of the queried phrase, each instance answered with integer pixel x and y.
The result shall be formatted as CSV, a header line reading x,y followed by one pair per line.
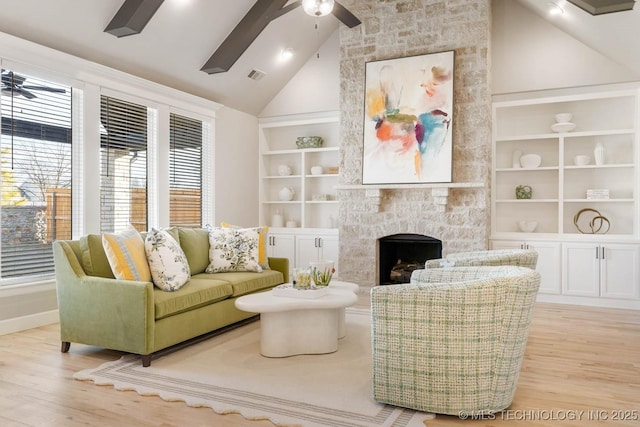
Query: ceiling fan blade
x,y
45,88
346,17
24,93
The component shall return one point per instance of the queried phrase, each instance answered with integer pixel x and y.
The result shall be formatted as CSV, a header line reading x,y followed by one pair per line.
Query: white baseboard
x,y
23,323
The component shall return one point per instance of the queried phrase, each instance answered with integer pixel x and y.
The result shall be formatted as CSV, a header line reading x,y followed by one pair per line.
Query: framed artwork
x,y
408,120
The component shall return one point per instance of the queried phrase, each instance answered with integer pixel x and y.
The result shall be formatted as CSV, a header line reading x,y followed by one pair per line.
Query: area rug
x,y
227,374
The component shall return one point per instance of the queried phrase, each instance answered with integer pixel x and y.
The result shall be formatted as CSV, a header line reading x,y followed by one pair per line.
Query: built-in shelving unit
x,y
559,185
314,204
579,267
314,207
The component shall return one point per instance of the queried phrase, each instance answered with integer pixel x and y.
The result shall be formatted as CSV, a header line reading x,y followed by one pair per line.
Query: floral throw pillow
x,y
263,232
232,249
167,261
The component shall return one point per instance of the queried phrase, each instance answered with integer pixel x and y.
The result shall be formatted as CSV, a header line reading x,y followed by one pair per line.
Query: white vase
x,y
277,220
598,154
286,194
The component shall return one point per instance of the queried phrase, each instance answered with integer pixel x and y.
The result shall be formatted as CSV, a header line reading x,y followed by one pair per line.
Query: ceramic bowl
x,y
563,117
316,170
530,160
284,170
581,160
527,226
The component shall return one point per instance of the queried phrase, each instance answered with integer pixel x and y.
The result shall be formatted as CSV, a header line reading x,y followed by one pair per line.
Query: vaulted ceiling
x,y
183,34
614,35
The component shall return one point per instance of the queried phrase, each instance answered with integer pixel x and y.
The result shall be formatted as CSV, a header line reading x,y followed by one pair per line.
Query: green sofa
x,y
137,317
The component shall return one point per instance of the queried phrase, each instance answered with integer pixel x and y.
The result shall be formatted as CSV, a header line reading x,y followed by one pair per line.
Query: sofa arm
x,y
281,265
104,312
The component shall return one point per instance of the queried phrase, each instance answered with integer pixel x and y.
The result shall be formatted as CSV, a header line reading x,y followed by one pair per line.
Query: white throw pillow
x,y
233,249
167,261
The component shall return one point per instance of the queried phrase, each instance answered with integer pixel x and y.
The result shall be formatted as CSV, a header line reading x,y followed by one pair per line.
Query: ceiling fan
x,y
14,84
256,20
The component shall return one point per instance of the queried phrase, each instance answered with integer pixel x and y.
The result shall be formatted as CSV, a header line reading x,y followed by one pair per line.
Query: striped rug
x,y
227,374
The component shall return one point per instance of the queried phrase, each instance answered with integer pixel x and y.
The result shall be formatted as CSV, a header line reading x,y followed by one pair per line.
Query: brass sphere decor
x,y
595,224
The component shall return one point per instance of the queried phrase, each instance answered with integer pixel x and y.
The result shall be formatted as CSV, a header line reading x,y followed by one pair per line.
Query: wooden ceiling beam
x,y
132,17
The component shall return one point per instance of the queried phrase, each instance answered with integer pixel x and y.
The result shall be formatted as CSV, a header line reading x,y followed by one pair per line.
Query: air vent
x,y
256,74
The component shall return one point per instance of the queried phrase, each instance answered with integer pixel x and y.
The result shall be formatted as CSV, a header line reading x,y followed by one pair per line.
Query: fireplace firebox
x,y
400,254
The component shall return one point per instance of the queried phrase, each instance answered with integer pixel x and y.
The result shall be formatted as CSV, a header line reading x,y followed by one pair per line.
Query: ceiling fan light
x,y
317,7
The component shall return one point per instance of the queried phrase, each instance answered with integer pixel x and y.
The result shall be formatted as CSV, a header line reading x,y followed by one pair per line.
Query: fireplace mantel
x,y
439,191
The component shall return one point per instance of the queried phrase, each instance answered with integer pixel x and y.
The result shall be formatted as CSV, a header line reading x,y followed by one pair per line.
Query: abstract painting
x,y
408,119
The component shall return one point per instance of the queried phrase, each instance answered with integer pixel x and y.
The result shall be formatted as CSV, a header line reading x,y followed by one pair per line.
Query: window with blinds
x,y
123,165
35,156
185,171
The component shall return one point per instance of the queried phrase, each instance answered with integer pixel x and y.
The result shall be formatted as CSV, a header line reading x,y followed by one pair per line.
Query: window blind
x,y
35,154
123,165
185,171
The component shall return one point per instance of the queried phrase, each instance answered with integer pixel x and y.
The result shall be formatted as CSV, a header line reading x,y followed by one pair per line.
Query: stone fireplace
x,y
458,214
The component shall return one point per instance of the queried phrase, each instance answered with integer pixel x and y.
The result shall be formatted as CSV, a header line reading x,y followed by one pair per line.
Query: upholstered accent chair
x,y
518,257
453,339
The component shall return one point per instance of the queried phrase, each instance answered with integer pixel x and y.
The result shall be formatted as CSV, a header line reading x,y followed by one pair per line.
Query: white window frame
x,y
90,80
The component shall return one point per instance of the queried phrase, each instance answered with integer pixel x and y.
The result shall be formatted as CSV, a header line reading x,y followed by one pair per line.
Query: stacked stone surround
x,y
399,28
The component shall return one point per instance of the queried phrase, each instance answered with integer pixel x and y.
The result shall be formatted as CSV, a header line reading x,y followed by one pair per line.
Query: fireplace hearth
x,y
400,254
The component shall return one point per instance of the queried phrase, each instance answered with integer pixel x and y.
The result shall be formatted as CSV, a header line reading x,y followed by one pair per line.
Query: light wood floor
x,y
577,359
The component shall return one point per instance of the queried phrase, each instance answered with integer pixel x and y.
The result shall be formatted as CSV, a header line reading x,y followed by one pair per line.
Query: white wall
x,y
236,168
316,87
529,53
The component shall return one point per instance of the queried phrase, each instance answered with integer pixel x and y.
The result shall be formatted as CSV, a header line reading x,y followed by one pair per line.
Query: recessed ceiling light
x,y
286,54
554,8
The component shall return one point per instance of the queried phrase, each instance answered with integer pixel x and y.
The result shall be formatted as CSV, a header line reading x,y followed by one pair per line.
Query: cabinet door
x,y
548,265
619,271
283,246
581,269
307,250
316,247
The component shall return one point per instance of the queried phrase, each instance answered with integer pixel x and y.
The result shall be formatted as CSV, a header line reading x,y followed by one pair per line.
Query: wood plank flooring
x,y
577,359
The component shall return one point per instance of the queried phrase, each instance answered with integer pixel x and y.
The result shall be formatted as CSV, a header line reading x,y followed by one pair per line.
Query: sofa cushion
x,y
245,282
232,249
195,244
197,292
126,255
167,262
94,259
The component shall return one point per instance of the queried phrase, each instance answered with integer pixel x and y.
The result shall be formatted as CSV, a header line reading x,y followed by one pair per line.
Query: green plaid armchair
x,y
519,257
453,339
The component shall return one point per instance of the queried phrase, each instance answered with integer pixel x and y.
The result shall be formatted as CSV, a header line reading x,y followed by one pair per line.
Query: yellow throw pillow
x,y
263,260
126,255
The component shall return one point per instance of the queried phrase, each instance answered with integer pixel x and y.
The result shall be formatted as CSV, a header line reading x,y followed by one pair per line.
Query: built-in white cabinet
x,y
549,265
601,270
315,247
299,184
281,245
301,246
584,193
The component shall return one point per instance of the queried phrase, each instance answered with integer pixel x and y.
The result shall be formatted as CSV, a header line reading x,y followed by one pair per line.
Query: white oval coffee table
x,y
291,326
